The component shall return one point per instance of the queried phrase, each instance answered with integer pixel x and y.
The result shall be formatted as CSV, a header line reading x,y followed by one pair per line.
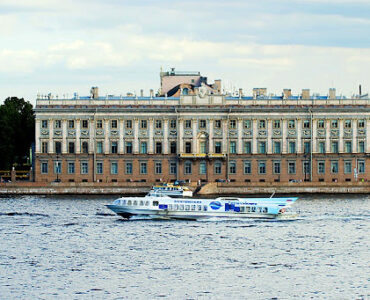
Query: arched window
x,y
185,91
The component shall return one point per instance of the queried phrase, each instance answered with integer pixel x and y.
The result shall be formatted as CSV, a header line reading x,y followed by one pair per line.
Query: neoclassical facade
x,y
203,137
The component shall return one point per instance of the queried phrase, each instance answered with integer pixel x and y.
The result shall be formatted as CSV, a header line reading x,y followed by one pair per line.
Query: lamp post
x,y
57,167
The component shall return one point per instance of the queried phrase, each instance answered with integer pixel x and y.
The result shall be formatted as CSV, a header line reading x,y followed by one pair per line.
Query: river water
x,y
74,248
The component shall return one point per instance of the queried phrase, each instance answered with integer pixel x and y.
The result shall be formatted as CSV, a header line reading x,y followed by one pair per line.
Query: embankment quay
x,y
221,188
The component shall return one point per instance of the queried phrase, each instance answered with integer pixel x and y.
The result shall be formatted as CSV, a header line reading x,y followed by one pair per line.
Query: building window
x,y
334,123
71,124
44,123
188,147
291,167
128,124
334,147
291,124
202,168
277,167
57,124
187,124
361,147
321,124
361,167
85,147
232,147
173,147
158,147
277,147
348,147
361,124
262,167
143,168
321,167
173,124
143,124
247,167
202,147
114,168
334,167
262,147
306,124
58,147
44,147
276,124
188,166
232,167
347,124
173,167
143,147
217,123
347,167
85,124
57,167
218,147
99,123
248,147
307,147
128,168
158,167
158,124
84,167
114,147
262,124
99,168
218,167
71,168
247,124
202,124
71,147
113,124
292,147
128,147
44,167
99,147
321,147
232,124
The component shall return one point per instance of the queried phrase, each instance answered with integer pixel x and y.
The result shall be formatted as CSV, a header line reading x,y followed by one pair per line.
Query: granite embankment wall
x,y
224,188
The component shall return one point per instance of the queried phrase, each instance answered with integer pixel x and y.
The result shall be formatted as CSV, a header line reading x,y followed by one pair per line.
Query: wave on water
x,y
12,214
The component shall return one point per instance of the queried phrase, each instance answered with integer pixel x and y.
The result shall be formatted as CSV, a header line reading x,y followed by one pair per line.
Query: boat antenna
x,y
272,195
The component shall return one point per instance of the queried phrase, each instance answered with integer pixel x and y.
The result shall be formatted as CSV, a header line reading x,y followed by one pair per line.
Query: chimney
x,y
287,93
217,85
240,92
141,93
306,94
94,92
151,93
332,94
258,92
359,90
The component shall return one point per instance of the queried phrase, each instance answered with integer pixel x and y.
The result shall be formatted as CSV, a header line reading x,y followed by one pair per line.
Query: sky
x,y
62,47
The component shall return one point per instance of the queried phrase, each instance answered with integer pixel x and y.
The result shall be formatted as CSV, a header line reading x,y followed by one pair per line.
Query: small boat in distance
x,y
172,190
156,205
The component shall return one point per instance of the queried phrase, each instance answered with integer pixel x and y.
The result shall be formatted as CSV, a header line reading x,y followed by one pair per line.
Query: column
x,y
354,136
284,141
64,136
120,147
37,136
254,136
136,136
240,135
195,127
367,142
314,136
91,137
210,136
78,136
299,136
165,136
341,128
51,134
269,136
224,135
327,136
106,136
180,134
151,135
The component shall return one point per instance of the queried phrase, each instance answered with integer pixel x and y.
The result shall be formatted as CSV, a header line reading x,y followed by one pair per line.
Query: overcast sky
x,y
68,46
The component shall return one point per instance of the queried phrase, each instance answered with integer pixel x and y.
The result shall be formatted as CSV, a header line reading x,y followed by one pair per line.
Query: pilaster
x,y
341,128
327,137
299,136
210,136
78,136
269,136
106,136
151,134
51,135
64,136
284,126
165,136
354,136
120,150
240,135
37,136
136,136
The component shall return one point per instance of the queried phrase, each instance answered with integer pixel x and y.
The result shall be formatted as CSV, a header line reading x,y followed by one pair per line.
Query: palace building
x,y
192,130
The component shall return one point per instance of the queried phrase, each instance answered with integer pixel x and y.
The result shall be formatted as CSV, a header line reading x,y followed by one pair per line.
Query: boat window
x,y
141,203
129,202
187,207
265,209
248,209
205,207
169,206
242,208
146,203
193,207
155,203
253,209
124,202
199,207
260,209
135,202
176,207
181,206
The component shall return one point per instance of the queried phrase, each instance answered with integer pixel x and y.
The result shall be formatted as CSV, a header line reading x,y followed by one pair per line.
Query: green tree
x,y
17,131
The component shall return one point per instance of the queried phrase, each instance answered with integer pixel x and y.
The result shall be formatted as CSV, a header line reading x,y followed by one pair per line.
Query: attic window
x,y
185,91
